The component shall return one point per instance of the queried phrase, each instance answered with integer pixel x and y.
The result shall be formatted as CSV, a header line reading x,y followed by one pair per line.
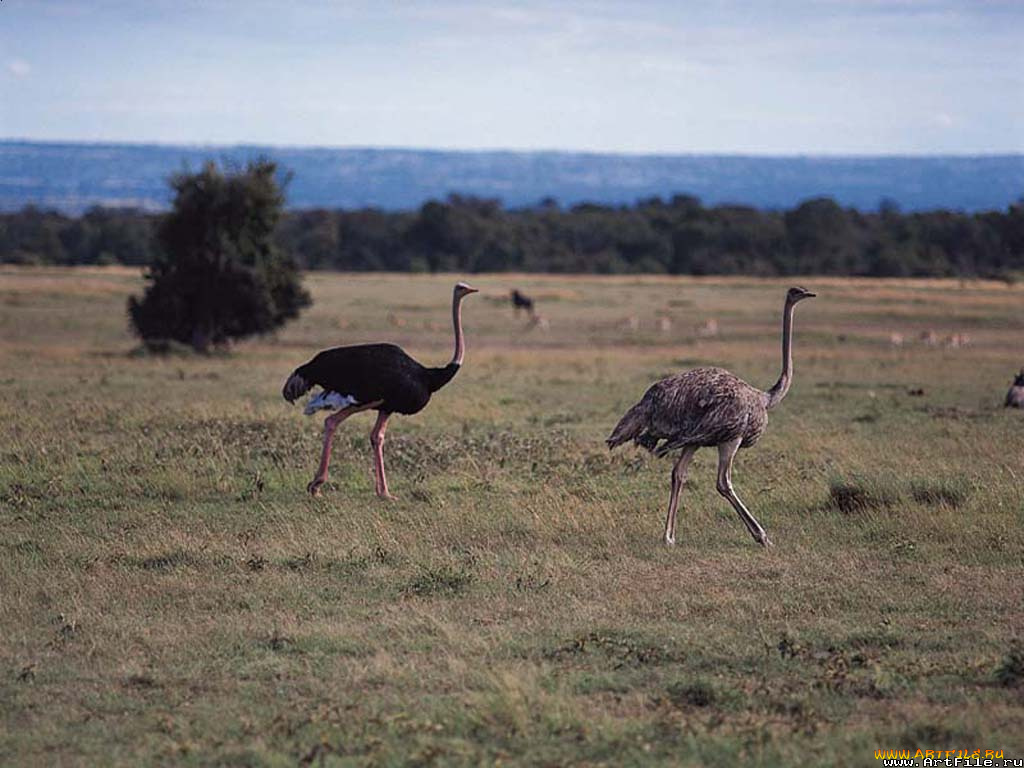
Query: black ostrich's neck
x,y
438,377
460,345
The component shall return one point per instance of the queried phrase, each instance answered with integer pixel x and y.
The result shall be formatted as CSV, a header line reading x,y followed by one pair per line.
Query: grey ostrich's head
x,y
464,289
796,293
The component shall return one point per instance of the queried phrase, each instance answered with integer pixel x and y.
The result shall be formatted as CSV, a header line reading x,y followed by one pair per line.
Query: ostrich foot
x,y
386,496
764,541
314,487
670,541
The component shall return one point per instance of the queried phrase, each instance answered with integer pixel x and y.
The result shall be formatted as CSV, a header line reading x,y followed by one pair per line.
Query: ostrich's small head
x,y
1019,380
796,293
464,289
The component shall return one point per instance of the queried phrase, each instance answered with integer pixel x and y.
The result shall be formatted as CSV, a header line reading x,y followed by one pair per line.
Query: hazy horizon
x,y
72,176
498,150
854,78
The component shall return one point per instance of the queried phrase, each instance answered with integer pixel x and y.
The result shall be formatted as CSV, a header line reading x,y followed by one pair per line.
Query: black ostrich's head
x,y
1019,379
796,293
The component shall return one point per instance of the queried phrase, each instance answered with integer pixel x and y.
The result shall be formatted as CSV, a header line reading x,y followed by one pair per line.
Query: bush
x,y
219,276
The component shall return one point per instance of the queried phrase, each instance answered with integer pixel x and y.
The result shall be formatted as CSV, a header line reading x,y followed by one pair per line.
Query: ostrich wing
x,y
705,407
370,372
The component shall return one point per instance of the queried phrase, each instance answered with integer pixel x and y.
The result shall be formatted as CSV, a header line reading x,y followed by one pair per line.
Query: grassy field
x,y
169,594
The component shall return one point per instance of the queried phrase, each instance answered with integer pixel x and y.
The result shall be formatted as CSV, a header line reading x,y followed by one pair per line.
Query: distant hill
x,y
72,177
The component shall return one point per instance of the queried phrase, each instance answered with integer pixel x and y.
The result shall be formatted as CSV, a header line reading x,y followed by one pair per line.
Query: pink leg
x,y
377,441
330,424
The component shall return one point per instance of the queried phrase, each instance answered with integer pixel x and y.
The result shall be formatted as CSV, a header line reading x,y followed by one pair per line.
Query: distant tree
x,y
117,235
218,275
456,234
822,238
470,234
32,237
1010,231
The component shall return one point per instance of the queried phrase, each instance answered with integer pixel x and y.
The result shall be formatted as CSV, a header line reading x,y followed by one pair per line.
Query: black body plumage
x,y
369,373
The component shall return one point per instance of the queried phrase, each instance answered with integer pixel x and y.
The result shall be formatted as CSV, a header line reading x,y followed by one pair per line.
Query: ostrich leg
x,y
678,480
377,441
331,423
726,454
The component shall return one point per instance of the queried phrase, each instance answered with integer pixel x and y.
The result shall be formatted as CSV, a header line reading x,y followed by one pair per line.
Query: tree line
x,y
675,236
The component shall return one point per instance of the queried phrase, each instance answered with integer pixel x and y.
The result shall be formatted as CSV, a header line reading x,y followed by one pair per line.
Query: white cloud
x,y
19,67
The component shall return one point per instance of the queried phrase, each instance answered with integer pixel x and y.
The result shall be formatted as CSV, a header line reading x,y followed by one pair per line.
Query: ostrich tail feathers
x,y
647,442
295,387
630,427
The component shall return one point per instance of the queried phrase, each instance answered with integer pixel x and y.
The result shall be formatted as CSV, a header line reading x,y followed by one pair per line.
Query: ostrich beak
x,y
809,295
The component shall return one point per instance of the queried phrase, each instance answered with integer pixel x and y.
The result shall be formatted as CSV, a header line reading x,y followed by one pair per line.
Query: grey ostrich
x,y
1015,397
708,407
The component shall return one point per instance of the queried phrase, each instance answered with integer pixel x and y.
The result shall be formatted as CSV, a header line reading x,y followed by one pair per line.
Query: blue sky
x,y
721,76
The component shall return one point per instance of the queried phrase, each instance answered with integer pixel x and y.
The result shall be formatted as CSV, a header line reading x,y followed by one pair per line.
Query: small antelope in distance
x,y
708,329
708,407
957,340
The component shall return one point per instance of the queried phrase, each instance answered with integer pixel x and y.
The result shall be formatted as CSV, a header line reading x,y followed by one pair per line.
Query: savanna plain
x,y
169,593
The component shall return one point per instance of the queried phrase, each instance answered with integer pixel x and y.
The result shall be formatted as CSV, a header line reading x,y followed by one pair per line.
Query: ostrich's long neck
x,y
438,377
776,393
460,347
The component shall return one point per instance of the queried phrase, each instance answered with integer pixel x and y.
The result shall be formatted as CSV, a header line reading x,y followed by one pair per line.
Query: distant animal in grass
x,y
539,322
896,339
521,301
1015,397
379,377
708,407
957,340
664,323
708,329
929,338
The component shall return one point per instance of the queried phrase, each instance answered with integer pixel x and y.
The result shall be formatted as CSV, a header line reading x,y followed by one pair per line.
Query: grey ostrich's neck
x,y
776,393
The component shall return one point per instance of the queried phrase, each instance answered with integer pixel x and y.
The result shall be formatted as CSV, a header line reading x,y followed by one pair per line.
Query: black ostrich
x,y
371,376
521,301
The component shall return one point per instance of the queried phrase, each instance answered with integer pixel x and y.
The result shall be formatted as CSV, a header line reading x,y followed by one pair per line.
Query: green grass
x,y
170,595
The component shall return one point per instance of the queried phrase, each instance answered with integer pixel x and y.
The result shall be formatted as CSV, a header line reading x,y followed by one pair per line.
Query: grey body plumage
x,y
708,407
702,407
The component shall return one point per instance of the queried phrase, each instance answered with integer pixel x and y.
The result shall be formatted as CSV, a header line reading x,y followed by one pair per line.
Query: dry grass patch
x,y
170,590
